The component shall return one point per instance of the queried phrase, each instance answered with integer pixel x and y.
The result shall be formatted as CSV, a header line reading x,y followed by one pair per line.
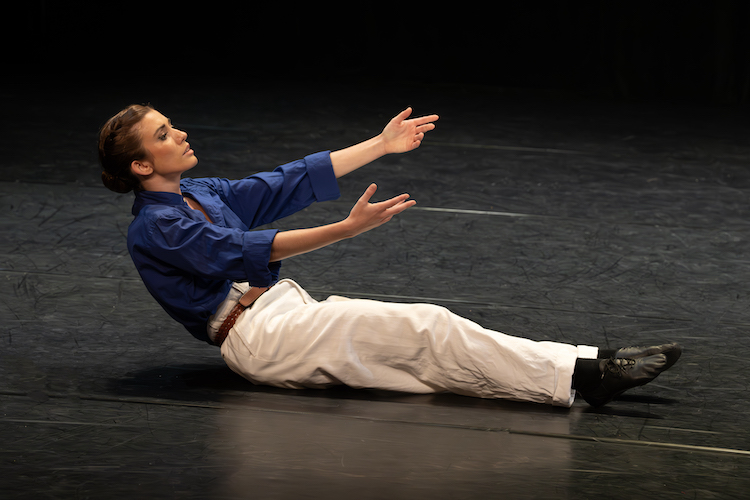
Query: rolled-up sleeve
x,y
268,196
256,252
323,180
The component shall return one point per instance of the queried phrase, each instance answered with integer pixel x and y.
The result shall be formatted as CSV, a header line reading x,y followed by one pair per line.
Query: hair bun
x,y
115,183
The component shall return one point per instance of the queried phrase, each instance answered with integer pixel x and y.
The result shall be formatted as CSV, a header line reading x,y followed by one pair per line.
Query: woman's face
x,y
170,152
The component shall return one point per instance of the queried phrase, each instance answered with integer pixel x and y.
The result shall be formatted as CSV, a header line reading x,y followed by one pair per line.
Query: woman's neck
x,y
164,184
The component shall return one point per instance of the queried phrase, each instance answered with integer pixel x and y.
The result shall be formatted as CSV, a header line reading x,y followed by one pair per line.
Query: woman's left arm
x,y
363,217
399,136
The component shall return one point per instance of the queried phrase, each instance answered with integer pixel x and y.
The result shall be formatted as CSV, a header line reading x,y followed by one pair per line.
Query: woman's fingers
x,y
385,204
369,192
399,204
402,115
425,121
366,215
395,200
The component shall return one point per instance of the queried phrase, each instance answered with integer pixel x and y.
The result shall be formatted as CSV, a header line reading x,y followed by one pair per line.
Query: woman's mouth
x,y
187,150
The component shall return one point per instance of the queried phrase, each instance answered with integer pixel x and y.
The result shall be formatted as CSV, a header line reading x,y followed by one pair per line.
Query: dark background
x,y
676,50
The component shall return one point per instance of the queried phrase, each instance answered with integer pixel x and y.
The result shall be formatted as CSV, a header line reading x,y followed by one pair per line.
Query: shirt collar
x,y
143,198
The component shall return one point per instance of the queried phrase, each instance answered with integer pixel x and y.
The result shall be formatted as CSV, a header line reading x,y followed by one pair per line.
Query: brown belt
x,y
244,302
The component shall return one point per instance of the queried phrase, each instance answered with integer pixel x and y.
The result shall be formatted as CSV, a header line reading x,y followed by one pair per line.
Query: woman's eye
x,y
163,136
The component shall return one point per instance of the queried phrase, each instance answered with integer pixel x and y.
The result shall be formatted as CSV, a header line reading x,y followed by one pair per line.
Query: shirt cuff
x,y
256,253
322,179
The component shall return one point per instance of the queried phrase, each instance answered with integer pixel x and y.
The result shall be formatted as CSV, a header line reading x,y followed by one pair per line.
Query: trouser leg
x,y
290,340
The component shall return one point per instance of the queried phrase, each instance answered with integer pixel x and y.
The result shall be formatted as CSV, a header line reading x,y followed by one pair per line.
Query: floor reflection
x,y
390,447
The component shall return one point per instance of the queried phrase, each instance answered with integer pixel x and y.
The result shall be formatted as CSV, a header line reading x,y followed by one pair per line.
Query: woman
x,y
192,245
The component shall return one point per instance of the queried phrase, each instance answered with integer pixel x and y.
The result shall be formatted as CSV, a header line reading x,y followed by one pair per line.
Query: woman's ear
x,y
141,168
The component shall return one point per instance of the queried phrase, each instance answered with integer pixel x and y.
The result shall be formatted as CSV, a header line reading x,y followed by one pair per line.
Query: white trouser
x,y
288,339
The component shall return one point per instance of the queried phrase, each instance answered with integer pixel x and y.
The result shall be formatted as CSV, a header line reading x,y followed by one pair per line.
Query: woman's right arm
x,y
363,217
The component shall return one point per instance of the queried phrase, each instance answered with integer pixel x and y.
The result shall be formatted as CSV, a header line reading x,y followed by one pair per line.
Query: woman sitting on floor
x,y
191,243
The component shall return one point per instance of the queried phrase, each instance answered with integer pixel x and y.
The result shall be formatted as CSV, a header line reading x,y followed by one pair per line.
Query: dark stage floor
x,y
540,215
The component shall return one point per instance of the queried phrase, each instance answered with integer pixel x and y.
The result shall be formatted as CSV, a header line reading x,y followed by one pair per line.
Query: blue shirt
x,y
188,263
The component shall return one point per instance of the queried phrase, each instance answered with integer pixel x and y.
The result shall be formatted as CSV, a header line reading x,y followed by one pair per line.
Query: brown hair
x,y
119,145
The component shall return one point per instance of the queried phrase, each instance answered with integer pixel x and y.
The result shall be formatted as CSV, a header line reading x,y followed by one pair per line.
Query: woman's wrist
x,y
349,159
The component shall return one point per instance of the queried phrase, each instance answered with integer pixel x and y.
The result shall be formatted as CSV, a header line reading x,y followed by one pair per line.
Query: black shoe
x,y
671,351
621,374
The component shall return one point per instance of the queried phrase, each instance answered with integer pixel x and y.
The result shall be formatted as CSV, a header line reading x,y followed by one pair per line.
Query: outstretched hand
x,y
365,215
399,136
403,134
